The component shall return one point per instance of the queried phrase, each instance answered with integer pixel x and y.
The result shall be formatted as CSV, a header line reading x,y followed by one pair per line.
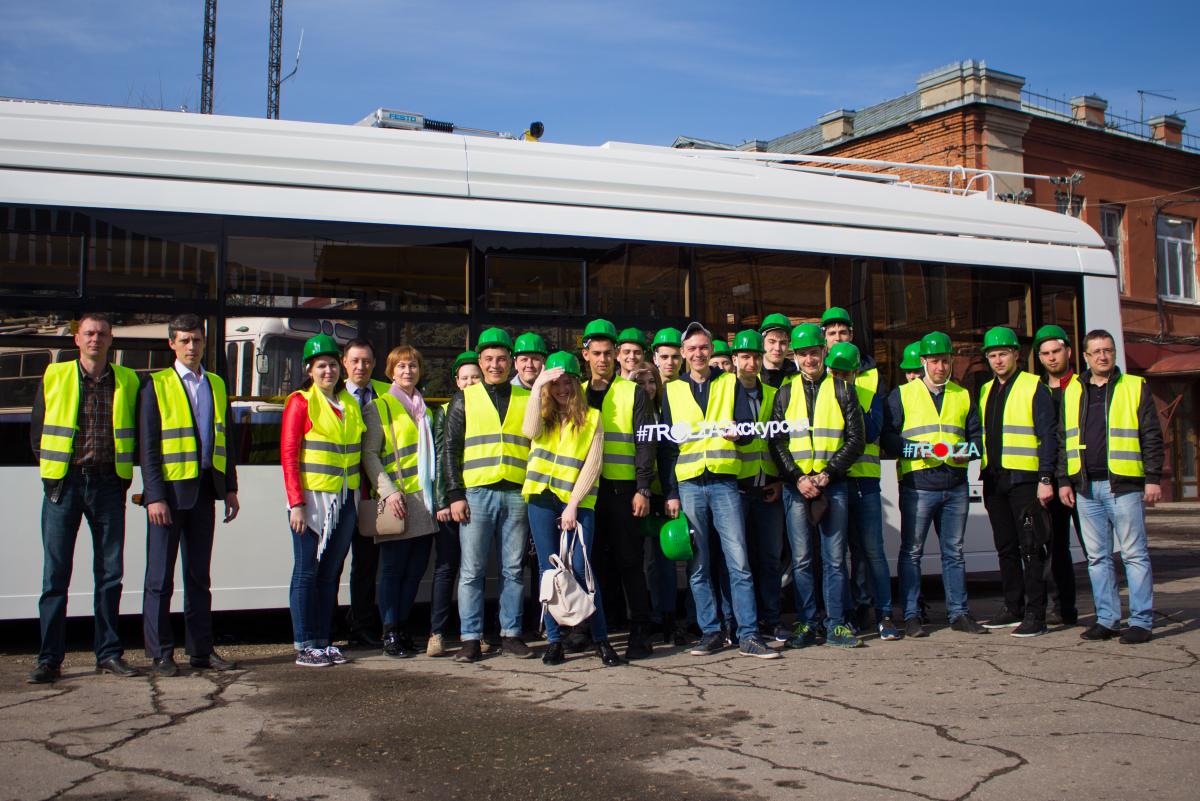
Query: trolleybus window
x,y
638,281
739,288
523,284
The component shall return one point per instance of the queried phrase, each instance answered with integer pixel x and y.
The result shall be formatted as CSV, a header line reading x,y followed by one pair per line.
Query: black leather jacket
x,y
456,426
854,437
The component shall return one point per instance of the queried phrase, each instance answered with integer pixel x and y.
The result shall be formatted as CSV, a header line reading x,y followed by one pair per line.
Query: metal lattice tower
x,y
208,59
274,47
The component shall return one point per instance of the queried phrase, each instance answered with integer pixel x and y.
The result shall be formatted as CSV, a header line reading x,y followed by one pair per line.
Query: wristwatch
x,y
644,492
1045,480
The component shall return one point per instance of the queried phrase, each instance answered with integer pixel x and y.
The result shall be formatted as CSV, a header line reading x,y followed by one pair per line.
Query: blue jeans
x,y
866,547
402,564
544,511
720,501
947,510
832,534
1106,520
314,589
764,533
101,500
498,520
447,553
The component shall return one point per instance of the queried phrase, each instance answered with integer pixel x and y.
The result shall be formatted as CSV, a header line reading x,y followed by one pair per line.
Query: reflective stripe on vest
x,y
756,457
923,422
61,391
866,384
620,446
332,448
715,454
812,449
1124,444
400,436
555,459
1018,443
180,447
493,452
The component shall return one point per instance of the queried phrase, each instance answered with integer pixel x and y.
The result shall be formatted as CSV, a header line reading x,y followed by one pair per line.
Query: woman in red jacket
x,y
320,447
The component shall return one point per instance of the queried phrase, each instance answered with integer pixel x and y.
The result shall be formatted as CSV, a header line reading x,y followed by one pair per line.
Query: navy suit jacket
x,y
177,494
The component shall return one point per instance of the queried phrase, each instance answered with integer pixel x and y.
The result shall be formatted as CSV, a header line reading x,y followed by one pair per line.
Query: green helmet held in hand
x,y
774,322
807,335
843,356
748,340
599,329
494,338
675,539
1000,337
912,356
668,336
530,342
935,343
321,345
567,361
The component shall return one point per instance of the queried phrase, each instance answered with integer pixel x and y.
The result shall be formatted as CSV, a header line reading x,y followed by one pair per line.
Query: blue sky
x,y
594,71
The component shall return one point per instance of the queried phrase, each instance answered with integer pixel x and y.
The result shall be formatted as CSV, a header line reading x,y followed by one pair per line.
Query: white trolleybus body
x,y
273,230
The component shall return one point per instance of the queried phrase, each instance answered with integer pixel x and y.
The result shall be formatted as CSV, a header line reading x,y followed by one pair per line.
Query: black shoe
x,y
638,645
968,625
863,619
1004,620
607,654
1098,631
1135,635
44,673
363,639
212,662
1053,617
165,667
555,654
1030,627
709,644
914,628
393,645
515,646
470,652
578,641
118,667
1070,617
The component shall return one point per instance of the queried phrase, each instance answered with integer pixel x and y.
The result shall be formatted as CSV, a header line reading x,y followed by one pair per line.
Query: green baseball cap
x,y
775,321
530,342
836,314
807,335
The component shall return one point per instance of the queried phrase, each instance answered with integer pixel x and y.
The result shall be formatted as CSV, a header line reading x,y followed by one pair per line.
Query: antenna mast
x,y
208,59
274,57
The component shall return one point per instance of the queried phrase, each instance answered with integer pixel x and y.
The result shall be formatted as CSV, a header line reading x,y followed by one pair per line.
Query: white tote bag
x,y
561,595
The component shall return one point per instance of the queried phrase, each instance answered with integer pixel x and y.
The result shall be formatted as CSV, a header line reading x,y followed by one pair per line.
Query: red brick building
x,y
1137,183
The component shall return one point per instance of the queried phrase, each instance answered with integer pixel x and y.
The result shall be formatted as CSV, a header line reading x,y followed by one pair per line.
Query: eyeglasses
x,y
1102,352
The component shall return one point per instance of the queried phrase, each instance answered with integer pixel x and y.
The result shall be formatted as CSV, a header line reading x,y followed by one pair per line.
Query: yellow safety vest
x,y
494,452
556,457
332,449
812,449
866,384
180,445
1018,443
923,422
60,388
620,444
756,457
1124,444
715,454
400,437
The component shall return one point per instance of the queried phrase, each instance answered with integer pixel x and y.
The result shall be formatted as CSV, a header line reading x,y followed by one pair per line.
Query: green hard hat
x,y
935,343
912,356
836,314
651,525
567,361
633,336
494,338
720,348
748,340
675,539
530,342
843,356
1000,337
321,345
775,321
600,329
466,357
1049,332
806,335
668,336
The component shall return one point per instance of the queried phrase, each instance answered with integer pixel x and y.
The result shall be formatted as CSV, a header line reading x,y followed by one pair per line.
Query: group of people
x,y
773,439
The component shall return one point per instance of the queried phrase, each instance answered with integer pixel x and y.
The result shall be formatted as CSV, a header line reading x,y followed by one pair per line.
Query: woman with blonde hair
x,y
400,457
561,482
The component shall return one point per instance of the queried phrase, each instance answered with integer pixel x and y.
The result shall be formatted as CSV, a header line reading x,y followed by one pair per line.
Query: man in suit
x,y
82,431
186,468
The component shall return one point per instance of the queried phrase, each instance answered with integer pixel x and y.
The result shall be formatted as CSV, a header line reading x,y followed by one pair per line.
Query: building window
x,y
1111,218
1176,258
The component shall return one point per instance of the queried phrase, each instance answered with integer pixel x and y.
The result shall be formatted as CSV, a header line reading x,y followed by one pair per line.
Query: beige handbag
x,y
375,520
